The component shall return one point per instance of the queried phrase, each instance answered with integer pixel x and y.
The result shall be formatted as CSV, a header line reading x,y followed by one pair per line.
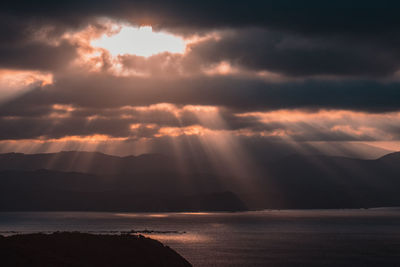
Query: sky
x,y
131,77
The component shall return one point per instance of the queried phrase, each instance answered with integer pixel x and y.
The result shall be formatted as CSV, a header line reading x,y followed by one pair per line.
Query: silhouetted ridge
x,y
87,162
44,190
392,158
86,250
155,182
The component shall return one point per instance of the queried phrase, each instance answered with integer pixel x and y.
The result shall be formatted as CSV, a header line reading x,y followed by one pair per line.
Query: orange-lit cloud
x,y
67,122
16,82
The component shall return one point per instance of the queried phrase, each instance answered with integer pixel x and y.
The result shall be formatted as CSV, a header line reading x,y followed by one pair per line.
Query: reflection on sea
x,y
137,215
180,238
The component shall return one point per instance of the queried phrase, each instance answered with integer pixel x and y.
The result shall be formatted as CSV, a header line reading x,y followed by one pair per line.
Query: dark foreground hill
x,y
86,250
153,182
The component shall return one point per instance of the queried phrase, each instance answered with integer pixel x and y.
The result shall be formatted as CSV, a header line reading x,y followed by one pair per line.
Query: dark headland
x,y
84,250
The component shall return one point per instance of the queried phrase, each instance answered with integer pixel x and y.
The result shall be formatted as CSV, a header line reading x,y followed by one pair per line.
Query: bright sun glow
x,y
140,41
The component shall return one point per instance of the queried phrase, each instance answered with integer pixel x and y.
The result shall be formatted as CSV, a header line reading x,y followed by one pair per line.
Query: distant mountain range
x,y
154,182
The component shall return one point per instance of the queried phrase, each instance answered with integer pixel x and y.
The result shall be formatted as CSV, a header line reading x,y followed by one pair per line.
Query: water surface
x,y
262,238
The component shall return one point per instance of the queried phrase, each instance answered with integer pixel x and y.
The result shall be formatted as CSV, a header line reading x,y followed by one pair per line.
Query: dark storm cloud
x,y
26,43
48,127
297,55
122,110
144,126
37,56
306,16
106,91
50,122
108,105
289,54
357,38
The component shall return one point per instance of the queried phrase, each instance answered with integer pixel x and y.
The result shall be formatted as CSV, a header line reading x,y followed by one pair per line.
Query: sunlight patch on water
x,y
142,215
195,213
158,215
181,238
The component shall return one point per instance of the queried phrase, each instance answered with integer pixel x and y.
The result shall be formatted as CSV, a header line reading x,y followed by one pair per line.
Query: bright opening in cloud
x,y
141,41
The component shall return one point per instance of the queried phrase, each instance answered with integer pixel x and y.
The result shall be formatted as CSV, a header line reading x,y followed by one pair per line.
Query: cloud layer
x,y
286,71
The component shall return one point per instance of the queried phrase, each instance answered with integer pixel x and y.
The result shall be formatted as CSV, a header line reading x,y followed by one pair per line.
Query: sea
x,y
346,237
